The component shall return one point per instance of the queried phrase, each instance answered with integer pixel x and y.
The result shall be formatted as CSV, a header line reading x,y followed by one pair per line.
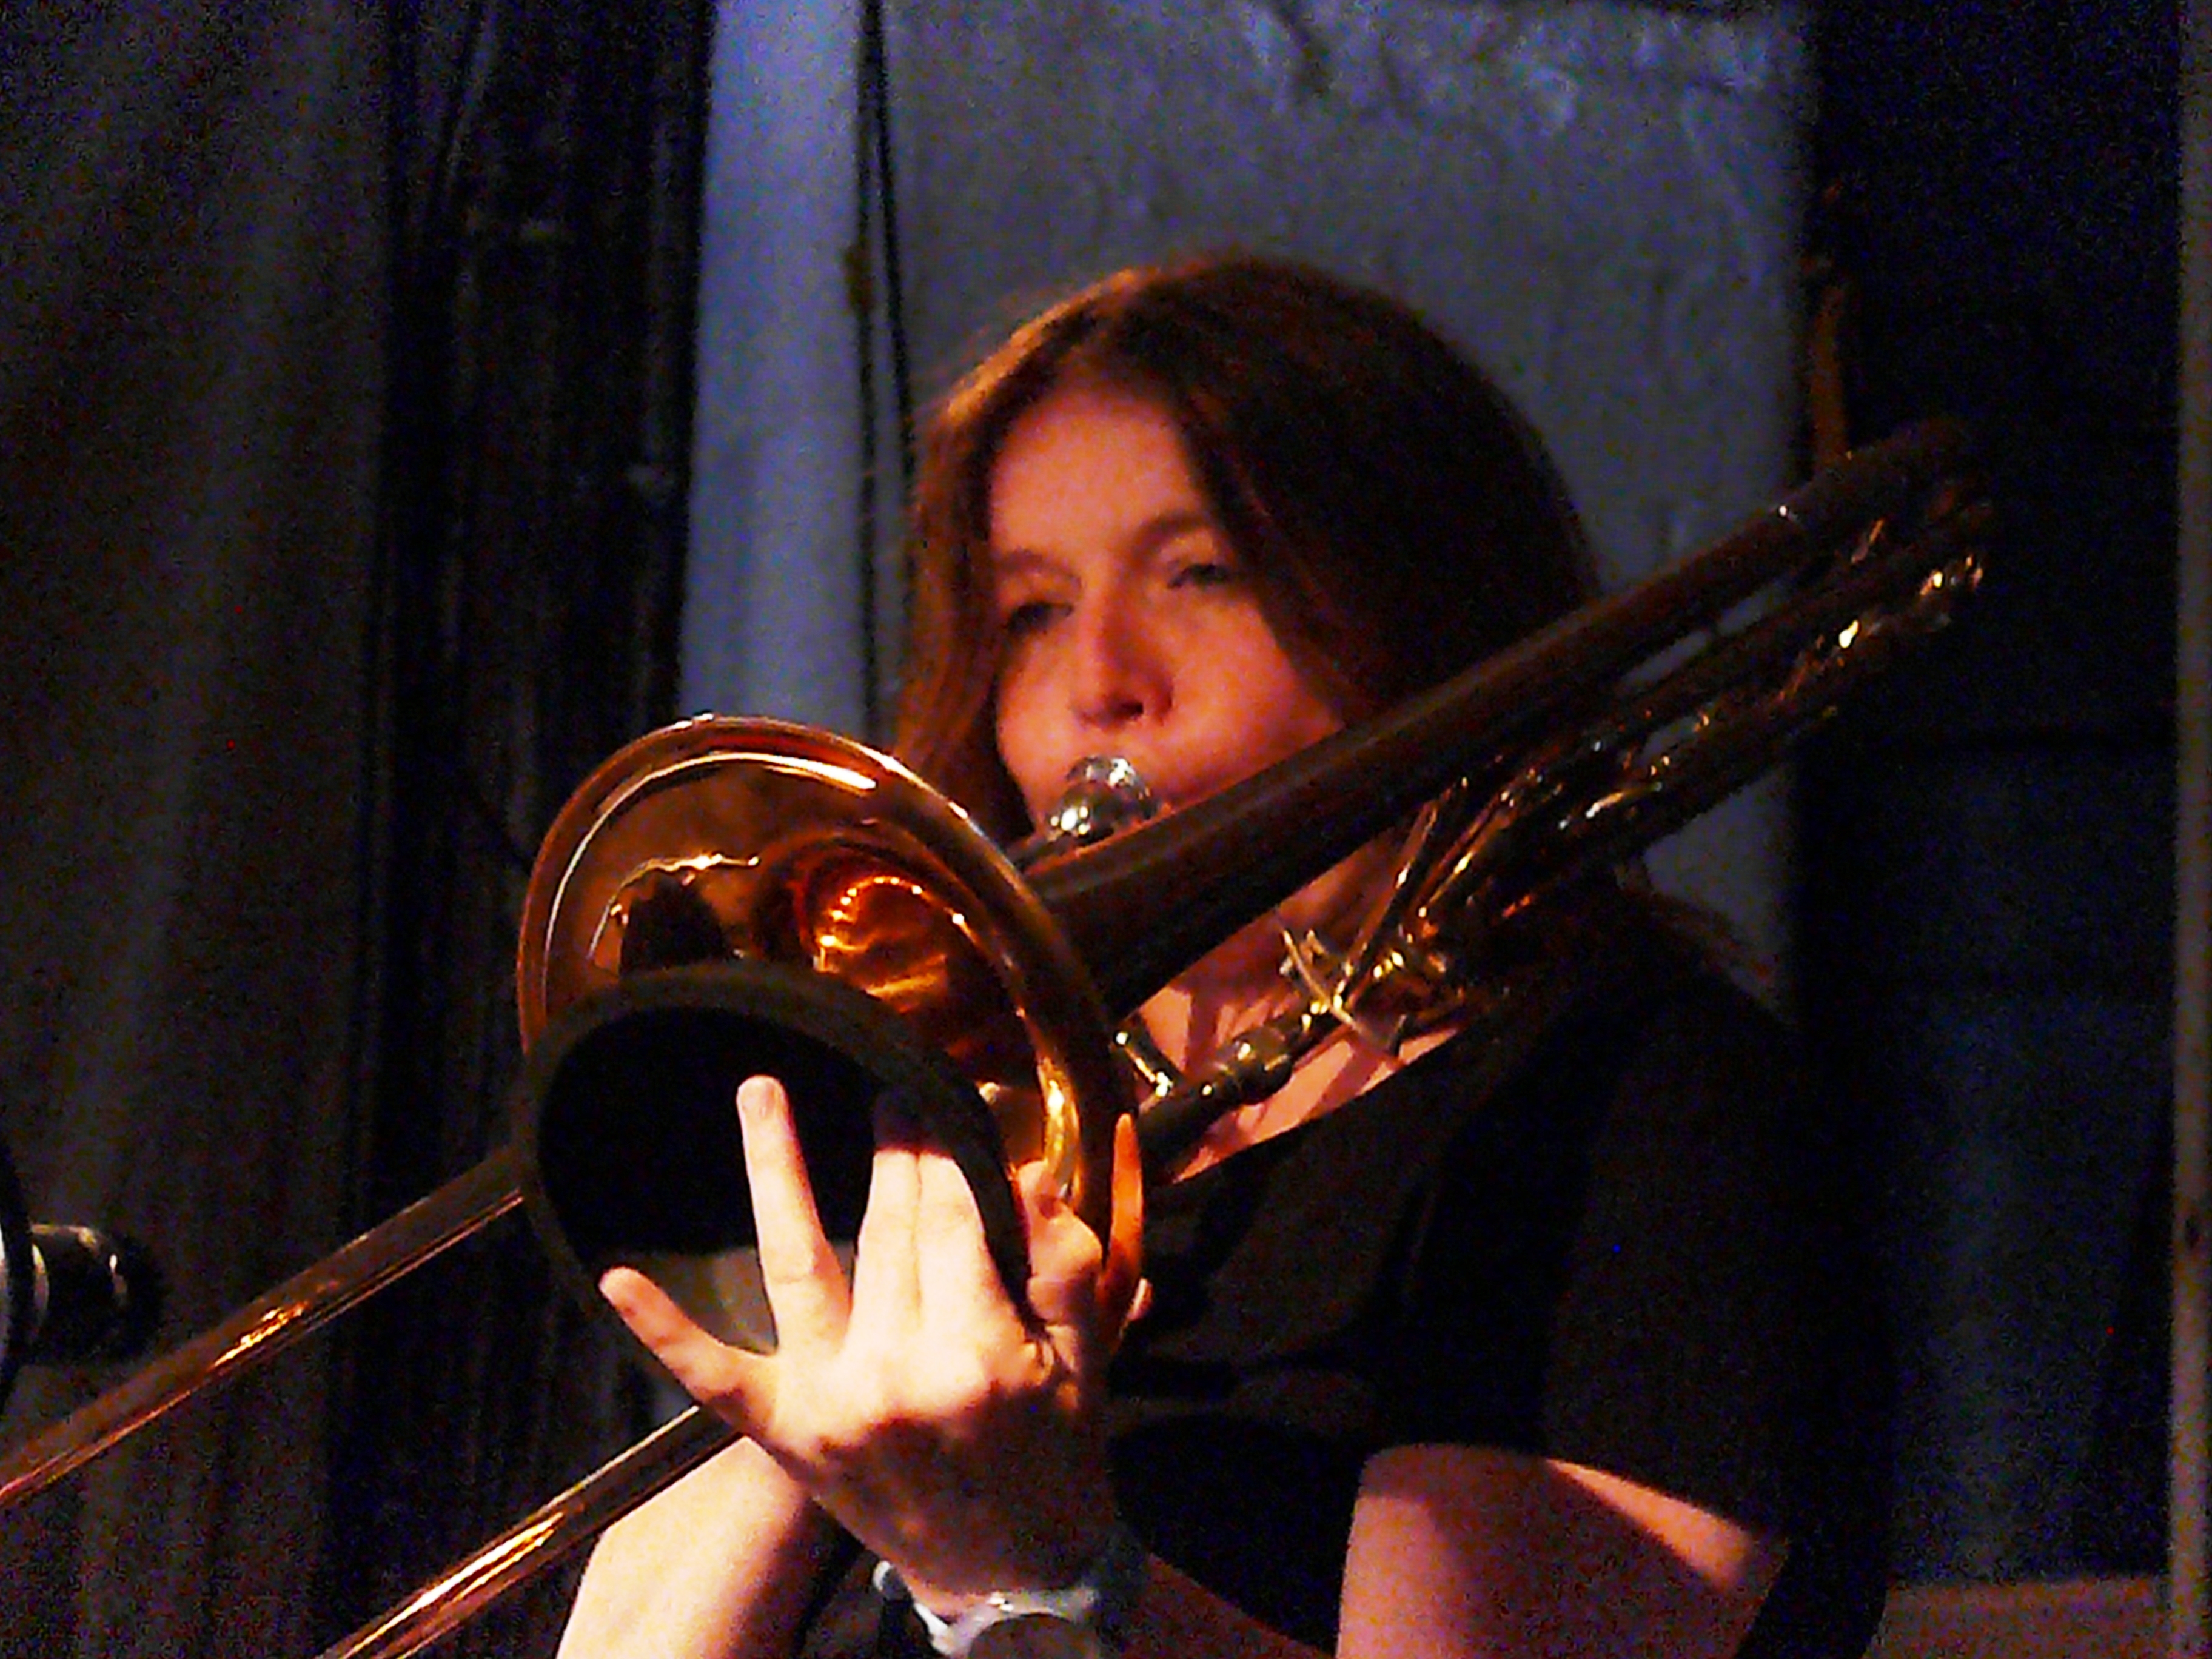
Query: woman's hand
x,y
951,1431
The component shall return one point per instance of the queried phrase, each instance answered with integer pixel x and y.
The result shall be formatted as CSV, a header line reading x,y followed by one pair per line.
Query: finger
x,y
1120,1281
958,1279
737,1387
1064,1254
807,1289
886,1287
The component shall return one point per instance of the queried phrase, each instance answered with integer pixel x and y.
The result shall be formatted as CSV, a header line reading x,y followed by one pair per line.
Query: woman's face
x,y
1132,627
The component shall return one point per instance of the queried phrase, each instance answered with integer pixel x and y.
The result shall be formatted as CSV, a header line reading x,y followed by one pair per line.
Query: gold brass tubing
x,y
258,1333
541,1540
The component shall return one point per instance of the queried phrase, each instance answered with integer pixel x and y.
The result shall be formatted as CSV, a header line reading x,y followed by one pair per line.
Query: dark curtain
x,y
191,358
1986,851
344,381
537,474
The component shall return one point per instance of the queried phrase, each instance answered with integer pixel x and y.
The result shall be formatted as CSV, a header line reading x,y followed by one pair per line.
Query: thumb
x,y
737,1387
1120,1281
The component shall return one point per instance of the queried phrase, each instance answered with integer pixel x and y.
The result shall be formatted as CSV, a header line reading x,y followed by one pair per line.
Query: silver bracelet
x,y
1097,1603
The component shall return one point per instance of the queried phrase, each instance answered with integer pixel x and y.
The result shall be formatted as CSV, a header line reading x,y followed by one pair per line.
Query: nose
x,y
1120,675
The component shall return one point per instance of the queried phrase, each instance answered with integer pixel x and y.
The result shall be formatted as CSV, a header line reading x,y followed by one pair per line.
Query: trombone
x,y
794,899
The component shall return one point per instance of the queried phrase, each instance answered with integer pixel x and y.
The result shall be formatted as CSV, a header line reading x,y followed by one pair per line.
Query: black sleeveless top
x,y
1635,1254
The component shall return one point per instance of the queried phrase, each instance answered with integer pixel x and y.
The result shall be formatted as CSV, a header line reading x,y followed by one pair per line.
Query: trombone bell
x,y
724,898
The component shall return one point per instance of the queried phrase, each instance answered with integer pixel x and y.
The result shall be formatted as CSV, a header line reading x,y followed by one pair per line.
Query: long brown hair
x,y
1400,519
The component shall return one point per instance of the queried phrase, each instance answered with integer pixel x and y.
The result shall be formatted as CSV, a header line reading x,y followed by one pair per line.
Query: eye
x,y
1205,573
1030,616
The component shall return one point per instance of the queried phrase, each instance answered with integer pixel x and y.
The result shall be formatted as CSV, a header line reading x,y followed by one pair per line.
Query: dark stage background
x,y
1985,843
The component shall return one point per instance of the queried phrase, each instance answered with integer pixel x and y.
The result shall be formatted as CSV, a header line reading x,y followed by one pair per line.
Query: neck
x,y
1241,985
1191,1023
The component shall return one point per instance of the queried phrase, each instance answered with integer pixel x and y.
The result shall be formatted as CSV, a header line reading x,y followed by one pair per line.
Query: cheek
x,y
1282,713
1022,742
1290,728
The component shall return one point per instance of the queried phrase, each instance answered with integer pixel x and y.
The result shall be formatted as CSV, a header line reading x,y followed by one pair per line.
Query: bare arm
x,y
1457,1553
1463,1550
1466,1552
721,1566
961,1443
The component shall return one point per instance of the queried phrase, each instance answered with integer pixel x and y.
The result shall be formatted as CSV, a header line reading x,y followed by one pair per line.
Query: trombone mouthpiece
x,y
1105,794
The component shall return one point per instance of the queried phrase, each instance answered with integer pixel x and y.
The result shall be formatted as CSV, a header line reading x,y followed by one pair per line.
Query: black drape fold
x,y
531,570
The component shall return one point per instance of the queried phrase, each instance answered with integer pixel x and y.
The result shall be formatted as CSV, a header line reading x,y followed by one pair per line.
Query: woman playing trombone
x,y
1545,1342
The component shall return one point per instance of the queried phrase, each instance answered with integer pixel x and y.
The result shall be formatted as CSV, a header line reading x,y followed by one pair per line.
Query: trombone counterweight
x,y
264,1328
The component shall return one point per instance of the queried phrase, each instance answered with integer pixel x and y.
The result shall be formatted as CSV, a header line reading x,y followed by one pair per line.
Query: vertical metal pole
x,y
2186,1561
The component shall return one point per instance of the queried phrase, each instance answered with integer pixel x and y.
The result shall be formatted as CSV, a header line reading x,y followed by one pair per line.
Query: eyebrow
x,y
1153,534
